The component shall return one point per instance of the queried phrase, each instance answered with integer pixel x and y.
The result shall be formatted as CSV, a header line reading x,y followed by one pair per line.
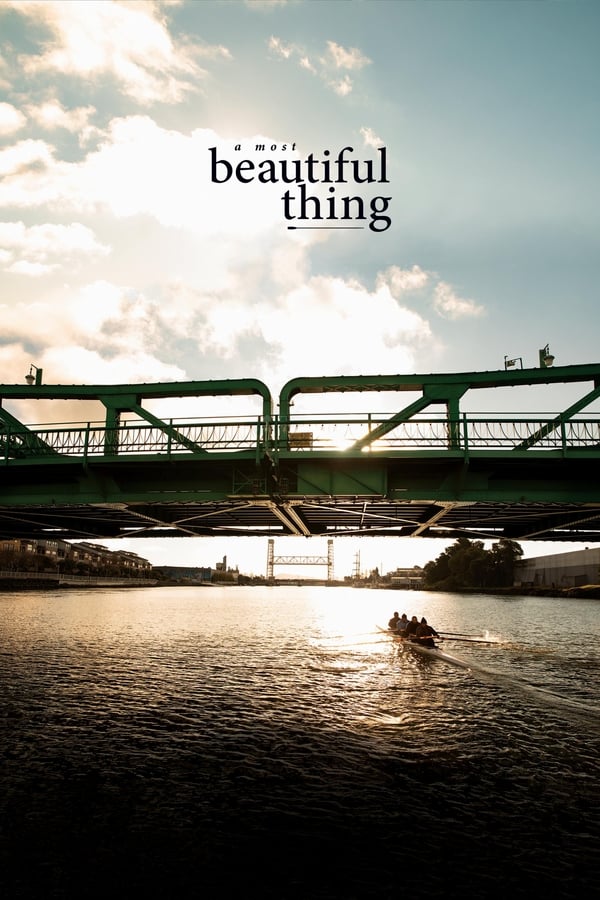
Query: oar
x,y
445,637
461,634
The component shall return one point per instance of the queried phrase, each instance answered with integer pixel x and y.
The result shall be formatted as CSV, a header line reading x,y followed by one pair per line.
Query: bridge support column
x,y
270,559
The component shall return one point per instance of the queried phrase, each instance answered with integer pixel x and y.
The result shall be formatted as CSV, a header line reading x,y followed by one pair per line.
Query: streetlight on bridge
x,y
30,378
546,358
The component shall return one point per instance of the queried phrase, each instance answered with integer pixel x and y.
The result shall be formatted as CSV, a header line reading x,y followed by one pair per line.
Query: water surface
x,y
172,740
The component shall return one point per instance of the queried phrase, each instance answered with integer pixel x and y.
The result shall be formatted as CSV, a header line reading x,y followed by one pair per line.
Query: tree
x,y
504,555
467,564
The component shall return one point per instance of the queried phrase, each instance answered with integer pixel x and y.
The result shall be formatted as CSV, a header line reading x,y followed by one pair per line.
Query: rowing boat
x,y
432,652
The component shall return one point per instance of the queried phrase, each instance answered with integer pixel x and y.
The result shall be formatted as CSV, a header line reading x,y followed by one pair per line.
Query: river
x,y
158,742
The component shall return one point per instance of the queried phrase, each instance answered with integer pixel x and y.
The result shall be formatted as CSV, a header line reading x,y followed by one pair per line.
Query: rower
x,y
393,623
425,634
409,632
402,625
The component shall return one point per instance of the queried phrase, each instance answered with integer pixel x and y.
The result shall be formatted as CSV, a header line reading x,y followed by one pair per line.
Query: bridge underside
x,y
358,516
490,497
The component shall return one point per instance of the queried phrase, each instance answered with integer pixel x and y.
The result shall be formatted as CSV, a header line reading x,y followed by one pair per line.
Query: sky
x,y
127,255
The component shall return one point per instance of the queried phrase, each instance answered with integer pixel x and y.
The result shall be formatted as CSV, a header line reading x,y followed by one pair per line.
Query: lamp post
x,y
546,358
30,378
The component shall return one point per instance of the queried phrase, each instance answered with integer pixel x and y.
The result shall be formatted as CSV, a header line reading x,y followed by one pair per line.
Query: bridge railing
x,y
304,434
466,434
97,440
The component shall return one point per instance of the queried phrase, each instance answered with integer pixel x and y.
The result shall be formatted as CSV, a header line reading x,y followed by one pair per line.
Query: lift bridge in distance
x,y
118,462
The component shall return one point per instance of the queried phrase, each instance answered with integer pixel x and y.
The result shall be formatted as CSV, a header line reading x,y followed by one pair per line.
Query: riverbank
x,y
590,591
44,581
27,581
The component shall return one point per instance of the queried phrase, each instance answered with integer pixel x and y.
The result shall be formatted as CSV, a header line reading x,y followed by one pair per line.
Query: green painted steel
x,y
444,389
407,473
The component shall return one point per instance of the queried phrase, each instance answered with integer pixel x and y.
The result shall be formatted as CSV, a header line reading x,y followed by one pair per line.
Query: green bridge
x,y
425,469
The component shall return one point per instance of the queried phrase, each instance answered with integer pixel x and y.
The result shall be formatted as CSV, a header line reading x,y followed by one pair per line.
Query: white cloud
x,y
25,156
353,324
72,364
370,138
444,299
142,169
328,66
73,318
129,41
38,249
448,305
342,86
90,367
305,63
53,115
250,306
30,269
107,332
265,5
102,333
400,281
11,119
341,58
281,49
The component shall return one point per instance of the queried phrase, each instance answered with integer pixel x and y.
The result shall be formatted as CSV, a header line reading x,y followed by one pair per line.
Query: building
x,y
559,570
407,578
82,557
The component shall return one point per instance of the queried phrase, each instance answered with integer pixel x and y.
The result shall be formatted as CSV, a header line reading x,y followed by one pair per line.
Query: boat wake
x,y
506,680
558,701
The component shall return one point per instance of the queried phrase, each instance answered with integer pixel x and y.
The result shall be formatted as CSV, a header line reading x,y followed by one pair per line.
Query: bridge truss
x,y
426,469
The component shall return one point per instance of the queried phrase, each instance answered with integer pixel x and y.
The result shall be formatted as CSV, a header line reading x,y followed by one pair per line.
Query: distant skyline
x,y
122,261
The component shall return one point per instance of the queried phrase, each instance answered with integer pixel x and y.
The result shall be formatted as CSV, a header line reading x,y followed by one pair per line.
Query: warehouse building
x,y
559,570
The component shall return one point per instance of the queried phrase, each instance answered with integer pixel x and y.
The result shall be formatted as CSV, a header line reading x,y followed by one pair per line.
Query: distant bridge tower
x,y
273,560
356,570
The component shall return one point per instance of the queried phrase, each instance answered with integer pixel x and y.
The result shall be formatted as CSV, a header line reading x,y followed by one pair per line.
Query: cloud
x,y
448,305
39,249
109,332
332,66
52,115
305,63
247,307
401,281
238,301
129,42
370,138
342,86
139,168
265,5
286,51
341,58
101,333
72,364
11,119
354,323
445,301
25,156
89,366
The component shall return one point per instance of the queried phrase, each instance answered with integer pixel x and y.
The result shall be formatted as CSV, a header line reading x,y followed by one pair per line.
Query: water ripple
x,y
151,737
